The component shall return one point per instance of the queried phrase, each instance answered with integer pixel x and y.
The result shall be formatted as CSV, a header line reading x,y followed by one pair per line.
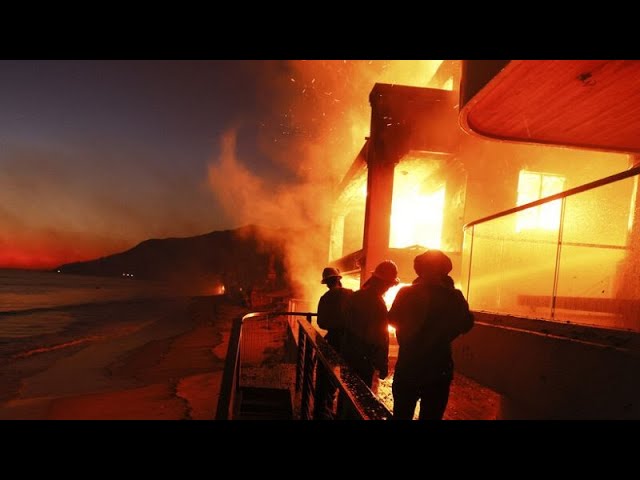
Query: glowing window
x,y
416,218
417,205
533,186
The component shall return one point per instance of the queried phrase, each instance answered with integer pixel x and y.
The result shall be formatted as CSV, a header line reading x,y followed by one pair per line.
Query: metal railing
x,y
228,399
569,268
355,400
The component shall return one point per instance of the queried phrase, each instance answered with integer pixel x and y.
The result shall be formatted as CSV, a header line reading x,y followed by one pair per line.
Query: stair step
x,y
265,403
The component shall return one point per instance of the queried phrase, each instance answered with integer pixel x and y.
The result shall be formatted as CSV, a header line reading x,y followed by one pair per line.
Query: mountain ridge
x,y
243,257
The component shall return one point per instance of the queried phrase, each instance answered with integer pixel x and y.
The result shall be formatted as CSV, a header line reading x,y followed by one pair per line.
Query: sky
x,y
97,156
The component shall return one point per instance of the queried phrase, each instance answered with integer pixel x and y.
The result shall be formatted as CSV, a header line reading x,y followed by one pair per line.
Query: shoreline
x,y
168,367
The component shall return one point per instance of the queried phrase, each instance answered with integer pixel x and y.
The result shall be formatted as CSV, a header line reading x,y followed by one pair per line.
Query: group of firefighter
x,y
427,316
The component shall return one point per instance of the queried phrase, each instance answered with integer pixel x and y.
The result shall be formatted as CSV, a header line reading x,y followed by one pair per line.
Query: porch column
x,y
384,152
377,219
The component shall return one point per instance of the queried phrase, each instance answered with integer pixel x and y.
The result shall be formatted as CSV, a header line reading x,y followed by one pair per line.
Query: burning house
x,y
406,187
534,199
525,173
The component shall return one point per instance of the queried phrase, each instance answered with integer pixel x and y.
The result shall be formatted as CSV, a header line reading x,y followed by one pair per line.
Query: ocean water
x,y
61,334
34,303
29,290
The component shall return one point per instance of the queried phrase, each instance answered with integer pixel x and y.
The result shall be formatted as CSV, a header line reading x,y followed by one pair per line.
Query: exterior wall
x,y
547,370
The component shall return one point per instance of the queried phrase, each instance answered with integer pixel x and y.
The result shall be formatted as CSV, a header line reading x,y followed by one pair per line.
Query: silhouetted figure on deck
x,y
428,315
331,317
366,340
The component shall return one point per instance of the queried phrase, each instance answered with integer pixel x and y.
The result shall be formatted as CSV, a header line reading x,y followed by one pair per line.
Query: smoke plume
x,y
314,117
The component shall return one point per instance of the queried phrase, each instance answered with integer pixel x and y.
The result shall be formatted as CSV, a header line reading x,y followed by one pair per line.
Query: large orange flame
x,y
319,116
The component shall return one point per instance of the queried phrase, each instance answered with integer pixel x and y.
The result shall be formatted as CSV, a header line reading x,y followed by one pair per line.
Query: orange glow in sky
x,y
88,168
48,250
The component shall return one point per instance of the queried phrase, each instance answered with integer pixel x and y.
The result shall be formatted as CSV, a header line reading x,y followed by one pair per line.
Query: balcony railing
x,y
571,257
355,400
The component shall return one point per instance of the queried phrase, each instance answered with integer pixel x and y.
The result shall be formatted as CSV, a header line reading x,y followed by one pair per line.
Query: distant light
x,y
58,271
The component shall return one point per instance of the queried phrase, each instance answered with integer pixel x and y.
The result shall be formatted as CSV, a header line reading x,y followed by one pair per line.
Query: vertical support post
x,y
377,220
473,232
302,342
307,382
557,269
387,144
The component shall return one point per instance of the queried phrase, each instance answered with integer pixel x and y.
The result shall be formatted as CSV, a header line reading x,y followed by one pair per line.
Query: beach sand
x,y
158,359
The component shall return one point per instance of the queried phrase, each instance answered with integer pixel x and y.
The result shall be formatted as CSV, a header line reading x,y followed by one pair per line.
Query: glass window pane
x,y
593,288
512,272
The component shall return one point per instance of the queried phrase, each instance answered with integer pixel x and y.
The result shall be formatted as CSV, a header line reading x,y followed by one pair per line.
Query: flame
x,y
314,118
353,282
390,295
416,219
416,212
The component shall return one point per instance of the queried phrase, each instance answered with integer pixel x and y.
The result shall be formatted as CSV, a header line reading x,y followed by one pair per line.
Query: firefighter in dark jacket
x,y
331,317
332,307
366,339
428,315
